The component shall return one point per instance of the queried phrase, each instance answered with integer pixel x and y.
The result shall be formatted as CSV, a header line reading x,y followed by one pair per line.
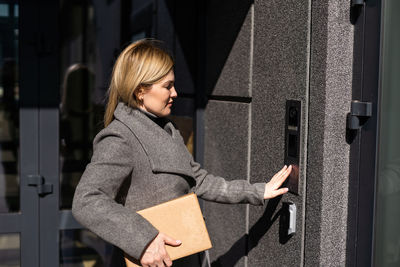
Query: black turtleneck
x,y
160,121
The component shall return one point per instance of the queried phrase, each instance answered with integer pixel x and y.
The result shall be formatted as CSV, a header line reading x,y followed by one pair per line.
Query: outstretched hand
x,y
272,187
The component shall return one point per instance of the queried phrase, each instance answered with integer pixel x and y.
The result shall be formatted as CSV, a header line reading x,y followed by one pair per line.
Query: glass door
x,y
24,183
374,234
47,121
366,16
10,205
387,215
87,48
19,136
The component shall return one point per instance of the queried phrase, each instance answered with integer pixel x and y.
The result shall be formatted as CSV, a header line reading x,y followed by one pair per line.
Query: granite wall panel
x,y
328,161
226,155
280,72
229,41
303,50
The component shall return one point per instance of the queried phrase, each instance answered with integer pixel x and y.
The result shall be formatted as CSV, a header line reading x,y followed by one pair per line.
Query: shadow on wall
x,y
256,232
213,40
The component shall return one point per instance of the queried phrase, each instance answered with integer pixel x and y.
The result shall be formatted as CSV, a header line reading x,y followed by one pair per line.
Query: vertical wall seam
x,y
306,120
249,126
251,51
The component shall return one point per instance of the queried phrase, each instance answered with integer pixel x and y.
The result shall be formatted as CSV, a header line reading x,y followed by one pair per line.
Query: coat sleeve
x,y
217,189
94,204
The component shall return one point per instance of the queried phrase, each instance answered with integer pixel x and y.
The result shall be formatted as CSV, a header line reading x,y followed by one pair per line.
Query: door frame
x,y
40,219
364,147
26,221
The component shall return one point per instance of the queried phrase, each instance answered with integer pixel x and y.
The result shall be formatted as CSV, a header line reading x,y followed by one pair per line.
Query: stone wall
x,y
282,50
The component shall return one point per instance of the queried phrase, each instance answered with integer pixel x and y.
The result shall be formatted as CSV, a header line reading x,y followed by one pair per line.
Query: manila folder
x,y
181,219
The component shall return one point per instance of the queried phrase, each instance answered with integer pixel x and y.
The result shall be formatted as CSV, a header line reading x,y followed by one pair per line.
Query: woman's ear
x,y
138,94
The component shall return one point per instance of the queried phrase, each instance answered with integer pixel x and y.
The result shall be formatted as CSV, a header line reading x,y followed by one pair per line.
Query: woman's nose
x,y
174,94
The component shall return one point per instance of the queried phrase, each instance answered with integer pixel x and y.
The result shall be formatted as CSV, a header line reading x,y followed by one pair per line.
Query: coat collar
x,y
164,147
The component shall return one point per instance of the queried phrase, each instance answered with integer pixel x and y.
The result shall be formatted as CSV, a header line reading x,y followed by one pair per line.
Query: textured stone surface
x,y
283,68
229,25
280,72
226,154
328,160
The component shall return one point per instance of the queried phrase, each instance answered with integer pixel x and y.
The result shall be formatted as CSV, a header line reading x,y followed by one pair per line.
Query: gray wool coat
x,y
135,157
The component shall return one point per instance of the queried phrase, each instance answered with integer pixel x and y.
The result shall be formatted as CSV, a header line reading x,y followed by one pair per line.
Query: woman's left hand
x,y
272,187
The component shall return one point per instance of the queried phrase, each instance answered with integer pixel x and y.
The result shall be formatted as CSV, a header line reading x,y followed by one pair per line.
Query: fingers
x,y
160,263
280,191
156,255
278,174
272,187
282,172
167,261
164,254
162,258
281,176
171,241
285,174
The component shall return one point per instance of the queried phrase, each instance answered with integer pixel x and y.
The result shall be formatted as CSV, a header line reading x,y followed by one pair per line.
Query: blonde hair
x,y
139,65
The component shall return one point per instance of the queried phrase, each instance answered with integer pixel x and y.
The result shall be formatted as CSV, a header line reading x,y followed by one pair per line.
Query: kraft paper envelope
x,y
180,218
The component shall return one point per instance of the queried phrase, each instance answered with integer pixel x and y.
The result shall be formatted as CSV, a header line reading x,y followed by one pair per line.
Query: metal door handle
x,y
42,187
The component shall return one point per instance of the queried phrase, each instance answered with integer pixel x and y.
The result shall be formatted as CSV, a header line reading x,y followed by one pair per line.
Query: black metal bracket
x,y
357,2
42,187
359,114
356,9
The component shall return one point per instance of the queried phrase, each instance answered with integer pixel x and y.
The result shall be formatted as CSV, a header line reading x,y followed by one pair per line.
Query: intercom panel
x,y
292,143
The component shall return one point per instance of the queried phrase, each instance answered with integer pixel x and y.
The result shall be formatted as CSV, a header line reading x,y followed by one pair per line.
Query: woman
x,y
141,156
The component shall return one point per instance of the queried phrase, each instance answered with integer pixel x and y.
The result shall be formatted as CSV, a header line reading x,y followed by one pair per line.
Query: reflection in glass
x,y
4,10
82,248
76,112
80,111
9,116
387,232
9,250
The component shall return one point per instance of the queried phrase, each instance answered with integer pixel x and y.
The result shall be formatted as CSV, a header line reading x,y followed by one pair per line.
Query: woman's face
x,y
158,99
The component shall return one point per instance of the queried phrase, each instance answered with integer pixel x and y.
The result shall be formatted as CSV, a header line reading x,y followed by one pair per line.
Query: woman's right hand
x,y
272,188
155,254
